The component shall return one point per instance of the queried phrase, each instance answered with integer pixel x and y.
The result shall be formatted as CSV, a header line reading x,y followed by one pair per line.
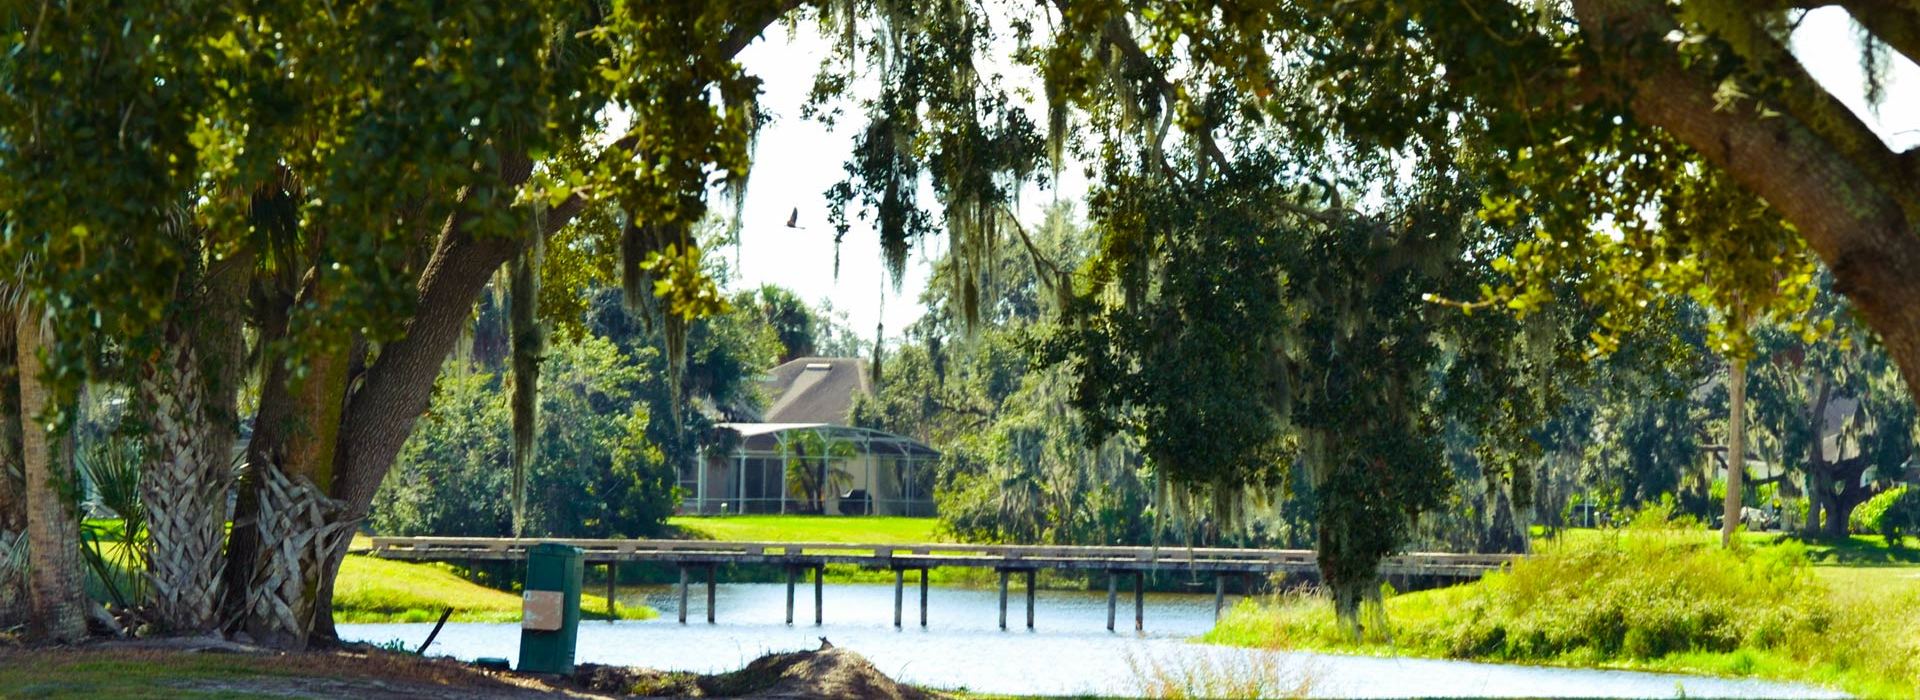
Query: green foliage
x,y
811,473
1640,597
593,472
110,465
1893,514
452,476
792,321
1643,597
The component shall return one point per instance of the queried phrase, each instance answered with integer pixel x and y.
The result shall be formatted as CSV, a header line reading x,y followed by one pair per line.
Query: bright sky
x,y
798,159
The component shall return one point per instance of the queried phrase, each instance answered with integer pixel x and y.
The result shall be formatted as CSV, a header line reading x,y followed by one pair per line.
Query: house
x,y
805,455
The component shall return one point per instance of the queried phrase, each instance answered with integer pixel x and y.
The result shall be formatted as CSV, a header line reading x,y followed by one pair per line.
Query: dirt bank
x,y
213,668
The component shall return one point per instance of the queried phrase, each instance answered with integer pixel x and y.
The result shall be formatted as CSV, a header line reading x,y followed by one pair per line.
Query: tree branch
x,y
1803,97
1851,218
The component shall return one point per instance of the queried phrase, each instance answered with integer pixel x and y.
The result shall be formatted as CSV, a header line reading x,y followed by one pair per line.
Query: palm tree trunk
x,y
297,526
13,495
188,390
1736,448
57,599
184,485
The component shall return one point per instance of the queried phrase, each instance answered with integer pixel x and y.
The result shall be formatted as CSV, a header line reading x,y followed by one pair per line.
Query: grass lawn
x,y
808,528
381,590
1649,599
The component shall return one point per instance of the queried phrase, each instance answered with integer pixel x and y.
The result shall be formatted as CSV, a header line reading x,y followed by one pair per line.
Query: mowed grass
x,y
380,590
808,528
1648,599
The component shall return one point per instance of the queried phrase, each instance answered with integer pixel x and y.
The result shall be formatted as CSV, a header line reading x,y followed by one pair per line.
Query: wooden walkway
x,y
798,557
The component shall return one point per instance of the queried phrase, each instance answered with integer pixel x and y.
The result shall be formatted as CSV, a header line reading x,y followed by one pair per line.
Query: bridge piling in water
x,y
1003,599
711,571
790,576
899,594
1219,594
819,595
613,577
923,597
1030,577
1113,595
1139,601
683,595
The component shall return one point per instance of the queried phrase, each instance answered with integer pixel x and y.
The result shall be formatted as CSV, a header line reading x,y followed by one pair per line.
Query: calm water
x,y
1068,652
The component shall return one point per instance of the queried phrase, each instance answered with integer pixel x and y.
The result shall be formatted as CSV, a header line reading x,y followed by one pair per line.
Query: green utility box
x,y
550,609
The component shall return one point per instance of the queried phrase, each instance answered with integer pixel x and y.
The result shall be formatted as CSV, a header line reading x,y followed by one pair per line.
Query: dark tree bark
x,y
1843,494
13,493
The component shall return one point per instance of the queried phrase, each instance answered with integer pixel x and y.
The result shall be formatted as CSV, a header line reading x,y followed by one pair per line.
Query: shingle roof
x,y
815,390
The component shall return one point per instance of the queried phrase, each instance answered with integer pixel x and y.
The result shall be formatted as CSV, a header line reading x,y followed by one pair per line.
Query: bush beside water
x,y
1648,596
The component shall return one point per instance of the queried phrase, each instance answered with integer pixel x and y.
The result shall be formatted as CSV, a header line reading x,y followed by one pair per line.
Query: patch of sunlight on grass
x,y
379,590
809,528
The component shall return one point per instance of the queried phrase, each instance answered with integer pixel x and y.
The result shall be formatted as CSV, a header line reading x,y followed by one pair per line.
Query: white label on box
x,y
543,611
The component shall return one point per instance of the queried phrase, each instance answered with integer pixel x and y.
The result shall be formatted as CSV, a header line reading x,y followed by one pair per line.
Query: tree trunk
x,y
1843,494
58,600
13,495
1350,589
1818,483
267,446
185,482
187,390
294,520
1736,448
1817,488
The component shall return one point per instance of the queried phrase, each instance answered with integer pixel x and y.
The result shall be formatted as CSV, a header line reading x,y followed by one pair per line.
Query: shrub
x,y
1894,513
1644,596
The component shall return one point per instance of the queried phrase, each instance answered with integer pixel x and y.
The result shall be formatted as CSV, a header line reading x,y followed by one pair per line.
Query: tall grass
x,y
1648,596
1221,674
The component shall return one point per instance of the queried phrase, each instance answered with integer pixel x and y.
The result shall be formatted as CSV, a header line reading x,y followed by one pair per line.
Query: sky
x,y
796,160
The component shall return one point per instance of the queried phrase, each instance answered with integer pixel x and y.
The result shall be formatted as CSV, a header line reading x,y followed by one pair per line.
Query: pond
x,y
1068,652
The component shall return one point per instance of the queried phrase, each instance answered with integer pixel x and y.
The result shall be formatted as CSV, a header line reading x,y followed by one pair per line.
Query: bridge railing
x,y
913,556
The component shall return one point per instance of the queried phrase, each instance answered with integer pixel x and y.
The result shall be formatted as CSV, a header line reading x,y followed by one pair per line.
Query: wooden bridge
x,y
797,557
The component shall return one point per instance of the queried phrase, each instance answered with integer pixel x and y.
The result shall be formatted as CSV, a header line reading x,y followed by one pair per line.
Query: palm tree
x,y
810,470
57,603
13,495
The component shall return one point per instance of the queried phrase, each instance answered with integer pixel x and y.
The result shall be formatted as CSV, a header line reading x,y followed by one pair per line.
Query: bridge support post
x,y
1139,601
790,576
1219,595
613,577
819,595
683,595
1003,599
1113,595
923,597
712,569
899,594
1030,577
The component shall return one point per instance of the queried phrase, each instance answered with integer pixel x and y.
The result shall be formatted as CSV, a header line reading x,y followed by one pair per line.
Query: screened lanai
x,y
775,466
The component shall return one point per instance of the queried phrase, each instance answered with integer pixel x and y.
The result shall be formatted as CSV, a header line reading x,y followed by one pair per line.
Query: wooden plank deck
x,y
922,556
